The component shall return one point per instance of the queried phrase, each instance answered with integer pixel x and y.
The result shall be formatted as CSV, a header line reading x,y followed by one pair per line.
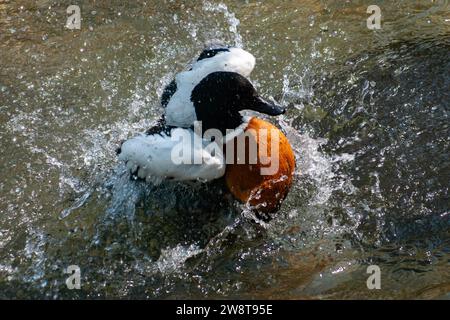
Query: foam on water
x,y
173,259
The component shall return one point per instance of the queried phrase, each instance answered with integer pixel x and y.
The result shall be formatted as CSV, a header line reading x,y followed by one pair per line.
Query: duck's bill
x,y
269,108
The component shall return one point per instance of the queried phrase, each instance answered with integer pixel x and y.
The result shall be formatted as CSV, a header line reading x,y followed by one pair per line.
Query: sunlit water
x,y
368,116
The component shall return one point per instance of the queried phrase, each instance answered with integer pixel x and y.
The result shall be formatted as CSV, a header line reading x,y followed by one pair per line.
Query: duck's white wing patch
x,y
180,111
157,157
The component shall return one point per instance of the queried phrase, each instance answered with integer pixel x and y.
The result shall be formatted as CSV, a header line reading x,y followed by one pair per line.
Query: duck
x,y
203,135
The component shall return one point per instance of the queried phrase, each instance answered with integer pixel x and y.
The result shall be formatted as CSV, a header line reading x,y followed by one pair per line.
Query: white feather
x,y
153,154
180,111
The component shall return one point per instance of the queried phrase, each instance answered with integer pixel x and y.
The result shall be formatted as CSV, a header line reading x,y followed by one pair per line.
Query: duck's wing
x,y
175,156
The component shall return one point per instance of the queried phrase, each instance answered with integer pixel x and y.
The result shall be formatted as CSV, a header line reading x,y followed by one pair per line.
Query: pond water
x,y
368,117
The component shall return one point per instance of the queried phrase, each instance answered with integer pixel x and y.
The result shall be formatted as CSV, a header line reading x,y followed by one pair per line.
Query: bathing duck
x,y
203,136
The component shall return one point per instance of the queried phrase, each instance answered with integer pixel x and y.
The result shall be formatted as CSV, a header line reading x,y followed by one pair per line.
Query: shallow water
x,y
367,115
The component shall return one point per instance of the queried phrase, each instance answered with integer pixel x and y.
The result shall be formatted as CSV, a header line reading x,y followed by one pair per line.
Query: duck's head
x,y
223,58
220,96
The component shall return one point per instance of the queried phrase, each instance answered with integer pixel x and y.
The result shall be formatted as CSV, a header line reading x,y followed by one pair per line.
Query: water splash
x,y
172,259
125,194
229,16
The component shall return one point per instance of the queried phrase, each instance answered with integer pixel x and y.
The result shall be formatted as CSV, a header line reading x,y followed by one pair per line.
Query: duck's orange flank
x,y
245,181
